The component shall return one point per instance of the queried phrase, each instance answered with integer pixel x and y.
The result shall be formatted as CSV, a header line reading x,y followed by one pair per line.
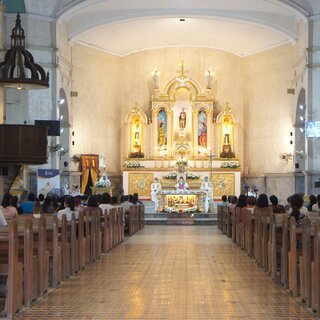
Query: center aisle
x,y
171,272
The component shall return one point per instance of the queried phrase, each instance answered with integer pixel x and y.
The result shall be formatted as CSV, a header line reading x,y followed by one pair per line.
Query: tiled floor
x,y
171,272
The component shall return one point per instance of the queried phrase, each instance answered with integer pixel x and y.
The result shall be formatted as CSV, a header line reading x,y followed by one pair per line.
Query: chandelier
x,y
18,70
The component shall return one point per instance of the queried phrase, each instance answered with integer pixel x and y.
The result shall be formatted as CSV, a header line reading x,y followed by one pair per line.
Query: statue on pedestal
x,y
206,186
155,188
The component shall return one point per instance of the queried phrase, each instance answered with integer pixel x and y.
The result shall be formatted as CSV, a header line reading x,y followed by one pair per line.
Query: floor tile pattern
x,y
171,272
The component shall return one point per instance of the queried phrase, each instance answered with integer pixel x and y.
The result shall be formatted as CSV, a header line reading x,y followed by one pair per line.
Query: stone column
x,y
313,104
209,131
195,113
170,146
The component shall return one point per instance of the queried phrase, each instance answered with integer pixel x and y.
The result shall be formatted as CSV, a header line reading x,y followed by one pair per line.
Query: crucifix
x,y
182,78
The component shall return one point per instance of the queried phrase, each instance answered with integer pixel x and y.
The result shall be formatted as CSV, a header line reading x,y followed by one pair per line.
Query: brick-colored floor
x,y
171,272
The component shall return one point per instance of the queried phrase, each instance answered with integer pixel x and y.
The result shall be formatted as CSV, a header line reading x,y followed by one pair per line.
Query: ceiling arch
x,y
122,27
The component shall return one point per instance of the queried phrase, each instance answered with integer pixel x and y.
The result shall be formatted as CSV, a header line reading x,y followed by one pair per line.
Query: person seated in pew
x,y
114,201
296,202
276,207
92,203
312,201
36,209
251,203
233,202
6,208
242,201
41,198
46,206
78,204
303,209
15,203
316,206
27,206
3,221
68,209
262,201
136,199
105,202
224,200
125,203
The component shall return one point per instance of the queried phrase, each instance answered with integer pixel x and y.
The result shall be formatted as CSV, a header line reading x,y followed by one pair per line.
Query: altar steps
x,y
153,218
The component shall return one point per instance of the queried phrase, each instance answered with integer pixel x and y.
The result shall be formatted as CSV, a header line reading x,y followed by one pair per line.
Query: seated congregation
x,y
284,240
44,241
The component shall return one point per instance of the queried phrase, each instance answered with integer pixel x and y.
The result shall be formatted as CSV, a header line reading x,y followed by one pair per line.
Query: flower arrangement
x,y
192,209
170,176
231,165
192,176
132,164
170,210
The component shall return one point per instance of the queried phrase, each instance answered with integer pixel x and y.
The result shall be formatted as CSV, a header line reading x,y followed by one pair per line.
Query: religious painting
x,y
140,183
202,129
136,135
223,183
162,128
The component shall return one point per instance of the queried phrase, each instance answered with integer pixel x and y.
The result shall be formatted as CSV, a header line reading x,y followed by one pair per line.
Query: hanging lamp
x,y
18,70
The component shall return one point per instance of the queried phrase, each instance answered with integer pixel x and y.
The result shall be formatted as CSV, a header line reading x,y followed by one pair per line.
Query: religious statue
x,y
182,119
155,79
208,74
202,135
155,188
206,186
161,135
181,185
103,182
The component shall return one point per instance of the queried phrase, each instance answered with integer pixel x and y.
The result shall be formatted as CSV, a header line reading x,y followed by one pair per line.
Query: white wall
x,y
97,109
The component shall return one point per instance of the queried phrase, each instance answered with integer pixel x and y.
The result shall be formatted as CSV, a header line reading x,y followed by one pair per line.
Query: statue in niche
x,y
227,132
208,74
162,128
202,129
161,135
182,119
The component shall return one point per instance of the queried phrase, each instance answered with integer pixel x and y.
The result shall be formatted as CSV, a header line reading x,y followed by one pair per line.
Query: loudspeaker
x,y
65,163
296,165
317,184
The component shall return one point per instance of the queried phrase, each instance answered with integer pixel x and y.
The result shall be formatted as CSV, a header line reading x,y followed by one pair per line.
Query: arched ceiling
x,y
122,27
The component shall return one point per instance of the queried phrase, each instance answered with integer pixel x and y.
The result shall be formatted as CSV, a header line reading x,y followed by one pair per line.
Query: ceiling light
x,y
61,101
302,118
301,107
301,129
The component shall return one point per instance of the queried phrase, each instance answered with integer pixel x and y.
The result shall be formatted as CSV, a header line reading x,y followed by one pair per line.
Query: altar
x,y
181,201
188,135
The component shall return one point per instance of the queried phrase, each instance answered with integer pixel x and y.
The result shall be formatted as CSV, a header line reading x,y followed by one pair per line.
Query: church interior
x,y
178,103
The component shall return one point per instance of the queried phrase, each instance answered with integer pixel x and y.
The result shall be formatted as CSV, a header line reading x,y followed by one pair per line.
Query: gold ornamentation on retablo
x,y
223,184
168,183
140,183
194,184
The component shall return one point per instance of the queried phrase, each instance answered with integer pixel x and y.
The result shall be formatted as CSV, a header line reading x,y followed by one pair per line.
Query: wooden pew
x,y
249,234
316,270
294,257
106,232
284,253
275,245
82,246
11,269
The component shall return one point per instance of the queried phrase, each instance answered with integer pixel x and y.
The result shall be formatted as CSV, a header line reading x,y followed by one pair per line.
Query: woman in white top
x,y
105,201
68,209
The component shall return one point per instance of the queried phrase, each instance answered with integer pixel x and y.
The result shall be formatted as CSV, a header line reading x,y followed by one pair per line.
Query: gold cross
x,y
182,71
